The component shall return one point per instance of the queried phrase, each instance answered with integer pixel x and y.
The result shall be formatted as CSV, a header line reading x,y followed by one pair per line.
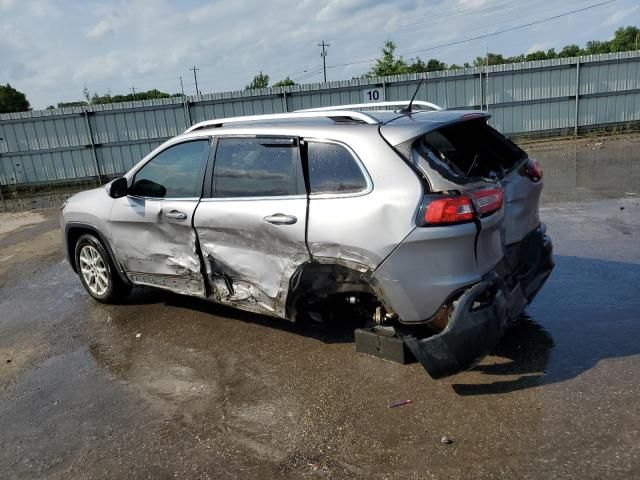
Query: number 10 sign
x,y
373,95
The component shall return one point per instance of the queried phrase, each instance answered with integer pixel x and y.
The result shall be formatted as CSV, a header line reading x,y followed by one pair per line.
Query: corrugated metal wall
x,y
73,143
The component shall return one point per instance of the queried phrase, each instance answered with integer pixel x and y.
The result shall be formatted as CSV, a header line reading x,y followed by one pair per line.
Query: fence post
x,y
285,104
93,145
486,93
575,124
4,207
187,112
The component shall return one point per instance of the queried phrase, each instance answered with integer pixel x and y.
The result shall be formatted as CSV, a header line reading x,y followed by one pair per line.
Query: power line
x,y
478,37
324,58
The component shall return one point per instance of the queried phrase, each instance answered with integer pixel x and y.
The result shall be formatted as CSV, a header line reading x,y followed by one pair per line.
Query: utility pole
x,y
195,78
181,86
133,89
324,58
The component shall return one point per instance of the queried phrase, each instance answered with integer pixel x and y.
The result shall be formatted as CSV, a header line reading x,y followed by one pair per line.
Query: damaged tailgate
x,y
462,160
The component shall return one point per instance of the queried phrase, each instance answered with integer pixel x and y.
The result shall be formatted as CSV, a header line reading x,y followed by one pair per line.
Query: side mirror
x,y
118,188
148,188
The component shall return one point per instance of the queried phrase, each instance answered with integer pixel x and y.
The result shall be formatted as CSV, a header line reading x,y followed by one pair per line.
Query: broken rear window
x,y
469,149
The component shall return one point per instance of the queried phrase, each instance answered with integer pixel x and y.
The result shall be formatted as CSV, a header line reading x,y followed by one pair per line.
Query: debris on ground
x,y
446,440
138,335
398,404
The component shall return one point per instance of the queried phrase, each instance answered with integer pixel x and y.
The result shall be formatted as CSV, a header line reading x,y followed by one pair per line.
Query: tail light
x,y
533,170
488,200
446,210
453,209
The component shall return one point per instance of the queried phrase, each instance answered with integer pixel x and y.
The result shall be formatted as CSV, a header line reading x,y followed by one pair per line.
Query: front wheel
x,y
97,272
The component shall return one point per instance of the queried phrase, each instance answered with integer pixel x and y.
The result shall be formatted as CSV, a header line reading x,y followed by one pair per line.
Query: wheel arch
x,y
321,280
72,233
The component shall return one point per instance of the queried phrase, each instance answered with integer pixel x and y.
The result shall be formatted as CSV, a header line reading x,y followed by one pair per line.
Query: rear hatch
x,y
467,154
461,157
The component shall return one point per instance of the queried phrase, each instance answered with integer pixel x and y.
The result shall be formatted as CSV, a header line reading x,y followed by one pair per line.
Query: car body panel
x,y
360,230
248,260
522,197
426,268
155,249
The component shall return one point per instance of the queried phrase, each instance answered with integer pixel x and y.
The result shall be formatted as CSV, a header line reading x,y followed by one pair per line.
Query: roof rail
x,y
335,114
400,103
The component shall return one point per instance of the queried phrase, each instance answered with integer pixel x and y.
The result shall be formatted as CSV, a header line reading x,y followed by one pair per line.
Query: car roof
x,y
396,127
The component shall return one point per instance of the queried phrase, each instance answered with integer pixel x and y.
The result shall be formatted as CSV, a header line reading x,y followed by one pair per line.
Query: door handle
x,y
280,219
176,215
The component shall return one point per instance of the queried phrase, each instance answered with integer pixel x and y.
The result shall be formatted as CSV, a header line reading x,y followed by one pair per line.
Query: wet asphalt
x,y
170,387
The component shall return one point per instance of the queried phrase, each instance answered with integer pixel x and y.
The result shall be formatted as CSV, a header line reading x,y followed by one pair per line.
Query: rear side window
x,y
255,167
332,169
176,172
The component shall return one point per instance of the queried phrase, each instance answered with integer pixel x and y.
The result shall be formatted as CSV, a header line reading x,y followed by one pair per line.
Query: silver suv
x,y
420,218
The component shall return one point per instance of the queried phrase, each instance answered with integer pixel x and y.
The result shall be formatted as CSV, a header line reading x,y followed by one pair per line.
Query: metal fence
x,y
79,143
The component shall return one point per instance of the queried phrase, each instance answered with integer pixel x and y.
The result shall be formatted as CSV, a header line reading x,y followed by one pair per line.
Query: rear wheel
x,y
97,272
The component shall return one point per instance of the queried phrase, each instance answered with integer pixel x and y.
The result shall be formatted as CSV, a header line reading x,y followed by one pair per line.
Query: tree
x,y
533,56
286,82
388,64
595,46
494,59
625,39
129,97
570,51
11,100
80,103
261,80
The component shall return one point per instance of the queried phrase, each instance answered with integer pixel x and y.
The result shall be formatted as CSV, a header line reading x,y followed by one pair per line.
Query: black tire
x,y
108,288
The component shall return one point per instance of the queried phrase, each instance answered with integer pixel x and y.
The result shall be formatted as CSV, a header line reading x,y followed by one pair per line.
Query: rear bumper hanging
x,y
481,314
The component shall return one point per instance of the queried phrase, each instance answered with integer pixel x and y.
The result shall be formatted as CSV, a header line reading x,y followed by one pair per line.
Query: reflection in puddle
x,y
590,172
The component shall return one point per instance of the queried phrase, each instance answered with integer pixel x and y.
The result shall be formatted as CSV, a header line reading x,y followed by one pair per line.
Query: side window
x,y
256,167
332,169
176,172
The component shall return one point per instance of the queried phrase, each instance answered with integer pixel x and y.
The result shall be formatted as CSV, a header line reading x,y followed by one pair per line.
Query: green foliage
x,y
12,100
80,103
148,95
625,39
286,82
595,46
432,65
388,64
533,56
570,51
261,80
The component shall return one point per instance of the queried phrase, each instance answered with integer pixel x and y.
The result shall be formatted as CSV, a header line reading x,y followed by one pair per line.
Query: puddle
x,y
590,172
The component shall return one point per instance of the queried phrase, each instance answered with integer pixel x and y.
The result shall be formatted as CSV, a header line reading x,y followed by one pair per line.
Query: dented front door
x,y
151,228
252,228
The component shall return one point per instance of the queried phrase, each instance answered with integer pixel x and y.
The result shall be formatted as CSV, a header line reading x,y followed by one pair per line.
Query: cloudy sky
x,y
51,49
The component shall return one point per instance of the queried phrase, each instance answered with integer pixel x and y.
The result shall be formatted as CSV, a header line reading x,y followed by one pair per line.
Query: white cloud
x,y
472,3
7,4
100,29
620,17
116,44
536,47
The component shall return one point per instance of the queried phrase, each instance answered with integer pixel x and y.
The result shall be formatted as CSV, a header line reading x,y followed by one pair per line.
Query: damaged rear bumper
x,y
482,312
